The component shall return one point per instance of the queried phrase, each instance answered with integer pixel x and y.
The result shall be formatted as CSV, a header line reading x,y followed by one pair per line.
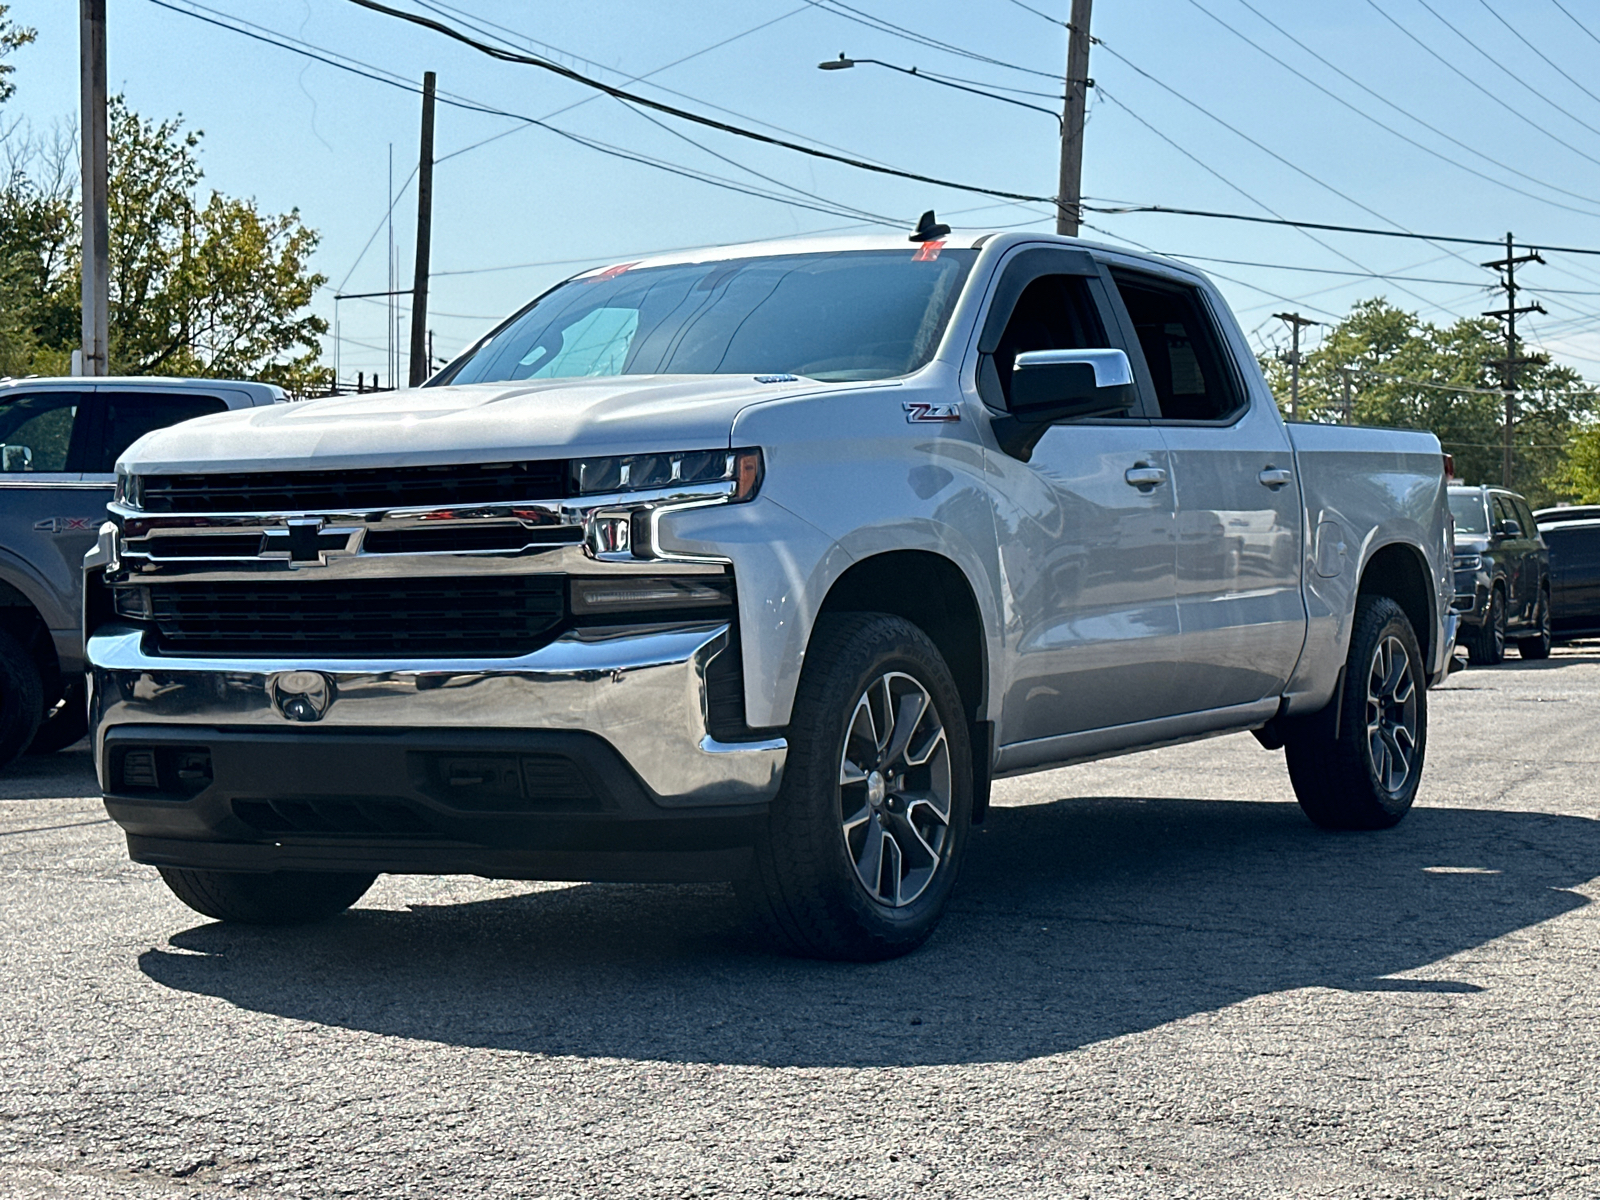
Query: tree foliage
x,y
1393,357
201,283
12,38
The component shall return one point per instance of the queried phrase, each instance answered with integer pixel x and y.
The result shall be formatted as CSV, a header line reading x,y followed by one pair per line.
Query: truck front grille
x,y
434,618
354,491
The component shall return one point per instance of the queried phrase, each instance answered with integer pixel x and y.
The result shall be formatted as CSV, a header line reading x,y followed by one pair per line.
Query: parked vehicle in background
x,y
1502,575
756,564
59,443
1572,533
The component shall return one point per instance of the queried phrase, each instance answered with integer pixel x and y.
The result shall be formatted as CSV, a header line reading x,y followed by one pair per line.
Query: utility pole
x,y
1508,365
1069,192
1348,400
96,223
421,360
1296,323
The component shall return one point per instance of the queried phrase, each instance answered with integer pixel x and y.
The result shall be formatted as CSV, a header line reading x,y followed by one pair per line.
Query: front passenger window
x,y
1054,312
36,432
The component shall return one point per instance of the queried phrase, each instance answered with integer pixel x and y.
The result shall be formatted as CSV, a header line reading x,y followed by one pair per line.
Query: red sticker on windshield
x,y
612,272
927,252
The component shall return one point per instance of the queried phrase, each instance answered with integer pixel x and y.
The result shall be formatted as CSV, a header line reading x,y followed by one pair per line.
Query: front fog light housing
x,y
655,472
133,603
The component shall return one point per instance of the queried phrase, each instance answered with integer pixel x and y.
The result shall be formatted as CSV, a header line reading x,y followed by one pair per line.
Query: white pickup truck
x,y
755,564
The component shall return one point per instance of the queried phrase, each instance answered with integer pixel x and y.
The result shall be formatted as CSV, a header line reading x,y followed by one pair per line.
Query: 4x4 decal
x,y
65,525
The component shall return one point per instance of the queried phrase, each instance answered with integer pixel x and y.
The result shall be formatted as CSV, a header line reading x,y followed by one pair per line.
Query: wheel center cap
x,y
875,789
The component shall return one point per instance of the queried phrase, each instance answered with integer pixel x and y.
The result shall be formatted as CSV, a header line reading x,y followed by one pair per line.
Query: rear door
x,y
1575,576
1513,554
1238,511
49,511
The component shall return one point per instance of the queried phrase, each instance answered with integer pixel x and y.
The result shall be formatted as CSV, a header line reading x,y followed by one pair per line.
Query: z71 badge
x,y
921,412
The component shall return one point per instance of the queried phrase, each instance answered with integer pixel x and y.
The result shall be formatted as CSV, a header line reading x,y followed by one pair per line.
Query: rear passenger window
x,y
1530,527
1181,348
128,416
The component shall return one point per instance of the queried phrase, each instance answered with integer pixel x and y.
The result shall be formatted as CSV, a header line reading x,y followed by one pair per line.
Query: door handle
x,y
1275,477
1145,477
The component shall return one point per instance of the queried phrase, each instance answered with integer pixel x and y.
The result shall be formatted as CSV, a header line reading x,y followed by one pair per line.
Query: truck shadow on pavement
x,y
1075,921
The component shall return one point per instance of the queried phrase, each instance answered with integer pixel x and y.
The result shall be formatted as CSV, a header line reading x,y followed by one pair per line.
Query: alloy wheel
x,y
895,790
1392,715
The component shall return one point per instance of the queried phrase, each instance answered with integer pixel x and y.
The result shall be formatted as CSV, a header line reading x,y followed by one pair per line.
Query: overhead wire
x,y
1521,116
850,13
1593,37
1593,210
1517,33
503,55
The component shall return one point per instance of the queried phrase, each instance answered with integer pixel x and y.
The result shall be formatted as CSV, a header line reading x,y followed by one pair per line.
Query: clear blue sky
x,y
298,134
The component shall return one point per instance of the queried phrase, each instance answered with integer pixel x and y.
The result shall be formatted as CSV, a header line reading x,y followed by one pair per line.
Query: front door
x,y
1238,512
1085,536
51,513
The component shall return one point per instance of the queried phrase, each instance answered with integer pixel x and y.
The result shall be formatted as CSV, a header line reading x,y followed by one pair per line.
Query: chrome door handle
x,y
1275,477
1144,477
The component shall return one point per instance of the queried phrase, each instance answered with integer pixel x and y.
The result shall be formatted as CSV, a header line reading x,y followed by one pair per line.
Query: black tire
x,y
64,724
1486,643
21,699
1340,779
1532,649
279,898
808,884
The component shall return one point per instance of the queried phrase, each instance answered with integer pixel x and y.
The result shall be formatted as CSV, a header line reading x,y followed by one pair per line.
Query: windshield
x,y
1467,508
859,314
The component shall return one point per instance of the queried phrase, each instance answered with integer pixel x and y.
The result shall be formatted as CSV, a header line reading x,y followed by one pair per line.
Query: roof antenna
x,y
928,229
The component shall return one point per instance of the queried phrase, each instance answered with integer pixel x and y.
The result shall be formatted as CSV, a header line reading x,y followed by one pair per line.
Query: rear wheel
x,y
1538,646
21,699
278,898
864,840
1486,644
1356,764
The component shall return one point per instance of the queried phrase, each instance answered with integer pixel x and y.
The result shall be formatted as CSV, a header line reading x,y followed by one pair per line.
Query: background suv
x,y
1502,575
1572,532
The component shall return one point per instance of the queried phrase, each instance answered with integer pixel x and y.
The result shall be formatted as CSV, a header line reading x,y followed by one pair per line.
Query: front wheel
x,y
865,837
1486,645
1356,764
276,898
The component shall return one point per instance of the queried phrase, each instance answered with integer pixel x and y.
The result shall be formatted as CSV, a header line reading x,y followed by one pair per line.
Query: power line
x,y
1521,116
1516,33
673,111
1393,233
1593,37
1404,112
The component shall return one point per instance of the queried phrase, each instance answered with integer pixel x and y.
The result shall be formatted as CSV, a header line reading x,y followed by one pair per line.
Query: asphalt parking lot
x,y
1156,979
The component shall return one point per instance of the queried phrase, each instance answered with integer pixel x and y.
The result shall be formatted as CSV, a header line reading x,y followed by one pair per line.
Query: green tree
x,y
1401,370
210,287
12,38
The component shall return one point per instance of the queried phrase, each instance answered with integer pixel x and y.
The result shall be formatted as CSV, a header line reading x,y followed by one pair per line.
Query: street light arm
x,y
843,63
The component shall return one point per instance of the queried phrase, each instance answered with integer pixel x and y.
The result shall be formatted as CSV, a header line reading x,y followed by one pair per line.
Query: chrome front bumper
x,y
641,689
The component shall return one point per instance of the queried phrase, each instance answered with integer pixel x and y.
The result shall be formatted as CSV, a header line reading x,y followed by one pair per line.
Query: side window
x,y
1503,511
1054,312
128,416
1186,358
1530,527
36,431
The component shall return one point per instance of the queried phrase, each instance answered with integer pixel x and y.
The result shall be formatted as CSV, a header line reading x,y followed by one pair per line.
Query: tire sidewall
x,y
880,645
21,699
1395,624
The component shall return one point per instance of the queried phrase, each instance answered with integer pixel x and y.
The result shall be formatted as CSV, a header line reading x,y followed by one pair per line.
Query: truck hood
x,y
480,422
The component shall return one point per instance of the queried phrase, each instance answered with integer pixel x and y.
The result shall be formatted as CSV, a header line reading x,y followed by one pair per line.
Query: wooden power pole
x,y
1296,324
421,363
1508,365
96,222
1069,193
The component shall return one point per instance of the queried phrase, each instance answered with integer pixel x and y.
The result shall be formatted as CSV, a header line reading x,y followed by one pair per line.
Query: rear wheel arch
x,y
20,618
1399,572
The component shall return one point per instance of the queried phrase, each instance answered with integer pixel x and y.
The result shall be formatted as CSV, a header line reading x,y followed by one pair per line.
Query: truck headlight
x,y
1468,562
655,472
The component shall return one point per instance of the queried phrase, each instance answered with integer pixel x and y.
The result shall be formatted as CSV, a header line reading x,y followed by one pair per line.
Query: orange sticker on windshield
x,y
927,252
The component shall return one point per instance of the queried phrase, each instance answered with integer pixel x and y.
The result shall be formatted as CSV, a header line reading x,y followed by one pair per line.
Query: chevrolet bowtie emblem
x,y
305,543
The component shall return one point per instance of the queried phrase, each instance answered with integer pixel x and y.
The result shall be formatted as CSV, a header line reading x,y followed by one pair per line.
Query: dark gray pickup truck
x,y
59,444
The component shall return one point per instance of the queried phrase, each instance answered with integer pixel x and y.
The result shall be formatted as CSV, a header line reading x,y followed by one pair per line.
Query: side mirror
x,y
1508,529
1049,386
16,458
